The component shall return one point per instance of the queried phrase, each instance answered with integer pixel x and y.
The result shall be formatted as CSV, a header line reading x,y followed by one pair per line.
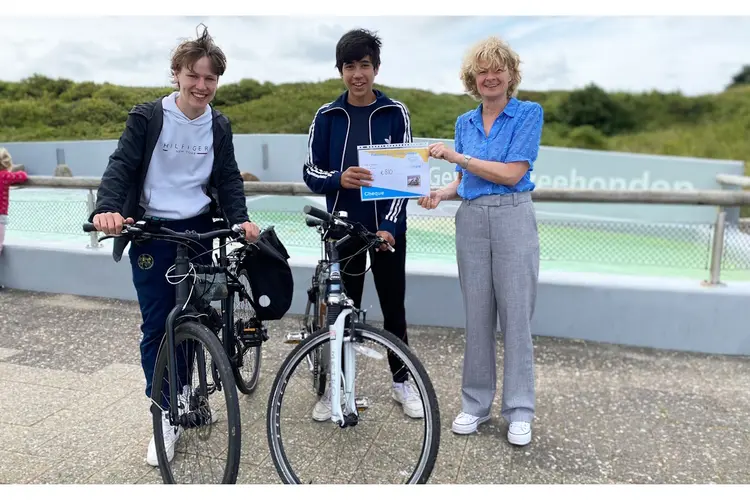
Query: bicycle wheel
x,y
202,363
330,455
249,341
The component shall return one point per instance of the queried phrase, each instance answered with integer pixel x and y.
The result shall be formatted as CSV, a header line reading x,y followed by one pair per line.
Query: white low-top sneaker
x,y
519,433
467,424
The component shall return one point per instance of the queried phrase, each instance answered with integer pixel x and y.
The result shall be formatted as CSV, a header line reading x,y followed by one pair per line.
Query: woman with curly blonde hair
x,y
497,244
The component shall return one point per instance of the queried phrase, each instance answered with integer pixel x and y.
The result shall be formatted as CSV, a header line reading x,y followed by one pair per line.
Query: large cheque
x,y
398,171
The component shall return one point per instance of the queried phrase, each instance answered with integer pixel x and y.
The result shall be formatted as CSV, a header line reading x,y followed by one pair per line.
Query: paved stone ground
x,y
72,408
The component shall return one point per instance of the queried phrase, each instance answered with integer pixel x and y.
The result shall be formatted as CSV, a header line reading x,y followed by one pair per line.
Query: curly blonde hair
x,y
6,161
489,53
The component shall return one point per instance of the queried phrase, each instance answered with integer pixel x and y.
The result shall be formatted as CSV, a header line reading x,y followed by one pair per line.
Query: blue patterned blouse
x,y
515,136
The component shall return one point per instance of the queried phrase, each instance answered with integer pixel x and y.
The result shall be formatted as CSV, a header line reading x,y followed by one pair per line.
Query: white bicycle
x,y
361,363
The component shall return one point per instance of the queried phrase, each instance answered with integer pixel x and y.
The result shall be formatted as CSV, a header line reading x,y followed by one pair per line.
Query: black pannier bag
x,y
271,282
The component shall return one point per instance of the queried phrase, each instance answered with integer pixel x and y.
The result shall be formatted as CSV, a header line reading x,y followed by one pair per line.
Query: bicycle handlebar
x,y
312,221
142,229
317,217
318,213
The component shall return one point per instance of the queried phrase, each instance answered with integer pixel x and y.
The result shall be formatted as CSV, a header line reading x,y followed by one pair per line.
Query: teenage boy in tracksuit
x,y
363,116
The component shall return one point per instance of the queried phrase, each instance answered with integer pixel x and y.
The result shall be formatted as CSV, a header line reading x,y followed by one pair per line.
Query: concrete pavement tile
x,y
450,457
17,468
94,438
591,420
263,473
552,455
253,406
118,371
393,453
254,443
8,353
76,469
690,453
126,468
151,477
14,373
487,460
78,412
523,475
118,380
340,454
27,404
24,440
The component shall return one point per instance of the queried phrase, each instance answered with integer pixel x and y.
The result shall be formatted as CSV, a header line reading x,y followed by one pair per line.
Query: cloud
x,y
692,54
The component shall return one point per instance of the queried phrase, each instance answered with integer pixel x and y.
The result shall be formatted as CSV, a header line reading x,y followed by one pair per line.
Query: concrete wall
x,y
663,313
279,157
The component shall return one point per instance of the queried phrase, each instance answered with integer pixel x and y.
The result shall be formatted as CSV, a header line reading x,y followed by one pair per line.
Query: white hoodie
x,y
175,185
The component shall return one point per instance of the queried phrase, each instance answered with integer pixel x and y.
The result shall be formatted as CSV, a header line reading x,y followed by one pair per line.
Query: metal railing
x,y
696,246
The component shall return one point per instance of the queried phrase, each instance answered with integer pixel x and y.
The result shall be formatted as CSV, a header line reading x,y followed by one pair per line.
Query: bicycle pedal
x,y
293,338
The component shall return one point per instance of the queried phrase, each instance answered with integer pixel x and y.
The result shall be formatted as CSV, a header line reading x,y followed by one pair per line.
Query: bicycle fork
x,y
349,346
349,417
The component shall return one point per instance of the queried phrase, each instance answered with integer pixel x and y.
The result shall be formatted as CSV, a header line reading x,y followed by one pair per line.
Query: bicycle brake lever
x,y
381,242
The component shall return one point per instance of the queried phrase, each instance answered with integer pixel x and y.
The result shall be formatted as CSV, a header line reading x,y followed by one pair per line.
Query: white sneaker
x,y
407,395
322,410
171,435
519,433
467,424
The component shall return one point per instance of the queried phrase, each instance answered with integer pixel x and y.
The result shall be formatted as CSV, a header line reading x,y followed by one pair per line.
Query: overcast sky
x,y
695,55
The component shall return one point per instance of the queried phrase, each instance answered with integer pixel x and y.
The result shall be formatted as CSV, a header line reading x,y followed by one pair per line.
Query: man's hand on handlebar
x,y
387,237
252,231
110,223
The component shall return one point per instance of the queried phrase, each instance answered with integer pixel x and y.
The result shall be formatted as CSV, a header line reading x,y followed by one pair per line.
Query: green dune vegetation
x,y
709,126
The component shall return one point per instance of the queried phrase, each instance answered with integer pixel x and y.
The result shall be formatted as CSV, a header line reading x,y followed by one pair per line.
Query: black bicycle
x,y
356,432
193,363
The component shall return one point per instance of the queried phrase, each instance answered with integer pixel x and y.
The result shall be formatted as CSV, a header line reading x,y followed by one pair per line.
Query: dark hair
x,y
355,45
190,51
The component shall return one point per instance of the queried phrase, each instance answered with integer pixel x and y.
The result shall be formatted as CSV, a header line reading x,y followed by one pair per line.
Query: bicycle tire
x,y
320,357
321,360
200,333
421,379
246,387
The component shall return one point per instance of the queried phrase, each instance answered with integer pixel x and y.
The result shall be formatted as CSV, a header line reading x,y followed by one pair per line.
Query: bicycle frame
x,y
339,307
184,308
227,312
181,308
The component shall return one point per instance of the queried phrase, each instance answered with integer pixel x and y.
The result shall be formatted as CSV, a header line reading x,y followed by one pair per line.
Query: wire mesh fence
x,y
686,246
47,216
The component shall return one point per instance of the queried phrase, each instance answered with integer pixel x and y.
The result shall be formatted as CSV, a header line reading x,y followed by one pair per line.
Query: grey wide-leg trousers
x,y
497,248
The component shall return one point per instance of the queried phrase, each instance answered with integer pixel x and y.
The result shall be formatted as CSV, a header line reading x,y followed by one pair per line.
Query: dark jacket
x,y
327,139
123,179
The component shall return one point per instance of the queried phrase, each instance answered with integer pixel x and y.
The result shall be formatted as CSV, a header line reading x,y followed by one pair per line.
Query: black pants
x,y
389,273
